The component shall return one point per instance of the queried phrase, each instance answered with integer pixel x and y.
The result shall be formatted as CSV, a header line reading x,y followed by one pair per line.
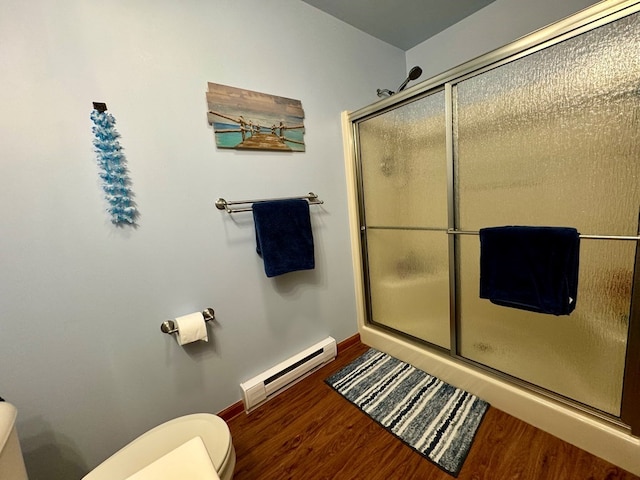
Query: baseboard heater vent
x,y
268,384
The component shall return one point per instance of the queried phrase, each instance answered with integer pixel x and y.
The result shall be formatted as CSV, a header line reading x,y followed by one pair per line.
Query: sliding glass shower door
x,y
544,136
554,139
404,199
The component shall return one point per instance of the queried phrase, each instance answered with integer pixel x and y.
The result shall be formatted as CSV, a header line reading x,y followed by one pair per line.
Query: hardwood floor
x,y
311,432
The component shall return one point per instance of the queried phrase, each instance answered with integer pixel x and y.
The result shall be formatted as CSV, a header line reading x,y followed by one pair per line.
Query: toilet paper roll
x,y
191,328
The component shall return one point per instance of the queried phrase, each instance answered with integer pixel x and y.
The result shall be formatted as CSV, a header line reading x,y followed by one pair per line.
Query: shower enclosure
x,y
542,132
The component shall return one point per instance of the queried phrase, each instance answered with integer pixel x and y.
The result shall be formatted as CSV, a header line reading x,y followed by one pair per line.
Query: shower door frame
x,y
586,20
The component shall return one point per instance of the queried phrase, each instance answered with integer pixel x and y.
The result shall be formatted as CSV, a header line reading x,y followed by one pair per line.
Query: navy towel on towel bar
x,y
530,268
283,236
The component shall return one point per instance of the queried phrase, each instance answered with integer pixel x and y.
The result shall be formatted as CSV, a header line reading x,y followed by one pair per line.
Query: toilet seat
x,y
190,461
164,438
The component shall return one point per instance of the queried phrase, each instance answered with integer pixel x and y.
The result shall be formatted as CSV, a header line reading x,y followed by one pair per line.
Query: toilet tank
x,y
11,461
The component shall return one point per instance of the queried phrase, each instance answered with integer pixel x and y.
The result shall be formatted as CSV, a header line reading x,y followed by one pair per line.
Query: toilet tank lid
x,y
8,414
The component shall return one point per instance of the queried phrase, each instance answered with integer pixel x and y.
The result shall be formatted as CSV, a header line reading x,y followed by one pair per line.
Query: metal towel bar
x,y
222,204
592,237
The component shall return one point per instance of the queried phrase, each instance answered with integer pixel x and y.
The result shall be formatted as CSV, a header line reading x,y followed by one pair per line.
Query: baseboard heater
x,y
268,384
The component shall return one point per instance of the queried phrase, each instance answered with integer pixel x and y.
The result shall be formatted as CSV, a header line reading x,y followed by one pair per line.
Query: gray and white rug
x,y
434,418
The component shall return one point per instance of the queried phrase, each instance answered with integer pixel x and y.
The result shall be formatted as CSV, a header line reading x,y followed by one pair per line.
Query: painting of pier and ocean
x,y
244,119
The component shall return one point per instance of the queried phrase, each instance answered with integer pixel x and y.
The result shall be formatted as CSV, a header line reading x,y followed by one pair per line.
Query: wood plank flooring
x,y
311,432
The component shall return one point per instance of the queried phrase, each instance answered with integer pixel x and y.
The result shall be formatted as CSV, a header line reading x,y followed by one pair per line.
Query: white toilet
x,y
11,462
201,442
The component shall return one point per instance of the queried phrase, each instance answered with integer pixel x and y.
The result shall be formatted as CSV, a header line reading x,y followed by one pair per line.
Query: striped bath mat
x,y
434,418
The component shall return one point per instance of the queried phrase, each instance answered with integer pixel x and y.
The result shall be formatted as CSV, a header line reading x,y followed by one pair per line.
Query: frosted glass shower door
x,y
402,156
553,138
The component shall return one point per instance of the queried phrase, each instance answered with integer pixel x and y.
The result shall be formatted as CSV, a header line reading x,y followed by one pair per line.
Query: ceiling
x,y
402,23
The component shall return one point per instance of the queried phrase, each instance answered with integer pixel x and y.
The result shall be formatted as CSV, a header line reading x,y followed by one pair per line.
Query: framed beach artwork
x,y
247,120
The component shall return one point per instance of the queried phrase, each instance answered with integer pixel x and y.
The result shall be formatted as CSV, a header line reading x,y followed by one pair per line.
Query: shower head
x,y
414,73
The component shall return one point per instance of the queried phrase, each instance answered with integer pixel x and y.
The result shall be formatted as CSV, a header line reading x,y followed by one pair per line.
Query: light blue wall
x,y
81,352
492,27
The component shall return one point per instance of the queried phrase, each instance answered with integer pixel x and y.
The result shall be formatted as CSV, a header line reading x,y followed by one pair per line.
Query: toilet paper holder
x,y
169,326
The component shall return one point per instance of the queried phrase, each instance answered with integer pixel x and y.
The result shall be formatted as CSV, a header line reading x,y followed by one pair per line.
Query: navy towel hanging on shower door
x,y
530,268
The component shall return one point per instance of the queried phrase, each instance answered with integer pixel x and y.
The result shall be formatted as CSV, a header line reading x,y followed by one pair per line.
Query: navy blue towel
x,y
283,236
530,268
